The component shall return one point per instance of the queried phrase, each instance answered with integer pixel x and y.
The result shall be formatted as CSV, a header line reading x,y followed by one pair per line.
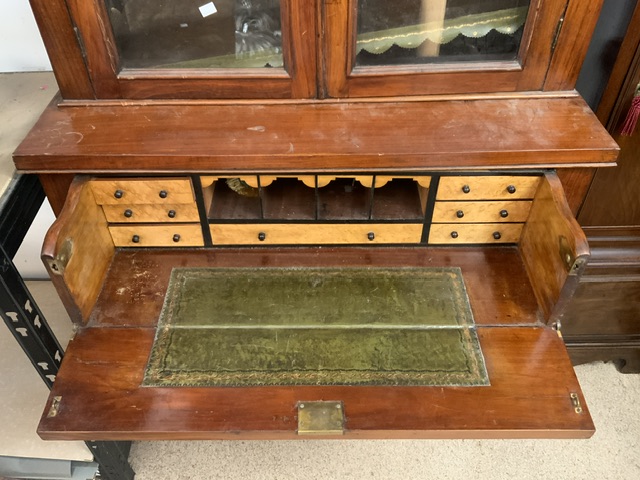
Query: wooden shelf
x,y
328,136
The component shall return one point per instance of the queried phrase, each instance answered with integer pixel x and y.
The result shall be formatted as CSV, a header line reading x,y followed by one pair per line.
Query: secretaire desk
x,y
327,135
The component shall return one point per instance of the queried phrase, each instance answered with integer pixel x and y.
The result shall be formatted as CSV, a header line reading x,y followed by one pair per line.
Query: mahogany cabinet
x,y
344,134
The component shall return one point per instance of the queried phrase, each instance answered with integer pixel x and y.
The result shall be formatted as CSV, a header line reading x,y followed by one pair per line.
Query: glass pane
x,y
197,33
438,31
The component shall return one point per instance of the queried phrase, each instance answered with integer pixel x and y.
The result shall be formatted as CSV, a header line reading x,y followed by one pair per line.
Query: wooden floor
x,y
529,370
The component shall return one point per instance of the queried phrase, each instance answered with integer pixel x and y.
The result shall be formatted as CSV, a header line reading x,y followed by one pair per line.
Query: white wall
x,y
21,48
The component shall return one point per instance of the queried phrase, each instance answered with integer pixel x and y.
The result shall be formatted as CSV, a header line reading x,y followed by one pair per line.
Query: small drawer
x,y
487,187
278,234
151,213
475,233
118,191
157,235
481,212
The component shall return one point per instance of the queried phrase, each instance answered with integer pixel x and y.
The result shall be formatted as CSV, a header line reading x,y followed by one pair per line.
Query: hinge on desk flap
x,y
55,406
320,418
575,401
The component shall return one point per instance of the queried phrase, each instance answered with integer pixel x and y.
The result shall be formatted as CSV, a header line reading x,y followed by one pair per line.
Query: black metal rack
x,y
25,320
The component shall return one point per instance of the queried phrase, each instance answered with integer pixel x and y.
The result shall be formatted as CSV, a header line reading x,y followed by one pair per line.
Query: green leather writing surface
x,y
316,326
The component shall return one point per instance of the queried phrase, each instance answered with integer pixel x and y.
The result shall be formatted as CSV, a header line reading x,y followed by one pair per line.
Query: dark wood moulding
x,y
328,136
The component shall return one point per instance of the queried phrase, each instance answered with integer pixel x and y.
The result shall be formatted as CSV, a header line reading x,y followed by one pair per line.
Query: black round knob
x,y
118,194
176,238
454,234
504,213
262,236
135,239
371,236
497,236
171,213
128,213
511,189
466,189
459,214
163,194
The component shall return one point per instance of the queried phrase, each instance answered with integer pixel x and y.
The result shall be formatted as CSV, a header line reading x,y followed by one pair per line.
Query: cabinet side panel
x,y
572,44
63,49
554,248
77,252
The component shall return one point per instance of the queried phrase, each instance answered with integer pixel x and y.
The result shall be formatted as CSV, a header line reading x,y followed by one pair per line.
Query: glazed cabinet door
x,y
418,47
144,49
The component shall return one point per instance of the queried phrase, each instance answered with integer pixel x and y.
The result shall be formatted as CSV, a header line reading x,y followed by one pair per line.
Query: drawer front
x,y
151,213
157,235
252,234
481,212
451,233
487,187
122,191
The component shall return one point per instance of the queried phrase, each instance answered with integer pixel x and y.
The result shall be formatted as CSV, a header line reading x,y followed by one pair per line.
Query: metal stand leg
x,y
29,327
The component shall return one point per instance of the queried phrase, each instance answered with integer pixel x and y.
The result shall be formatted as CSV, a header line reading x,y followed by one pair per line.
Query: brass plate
x,y
320,418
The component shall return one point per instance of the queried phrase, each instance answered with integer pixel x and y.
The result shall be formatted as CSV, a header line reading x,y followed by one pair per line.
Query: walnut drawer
x,y
450,233
116,191
481,212
148,213
189,235
250,234
487,187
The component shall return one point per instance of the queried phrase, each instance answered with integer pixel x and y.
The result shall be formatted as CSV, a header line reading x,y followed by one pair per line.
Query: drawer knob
x,y
459,214
118,194
135,239
176,238
262,236
454,234
371,236
163,194
466,189
504,213
511,189
128,213
497,236
171,213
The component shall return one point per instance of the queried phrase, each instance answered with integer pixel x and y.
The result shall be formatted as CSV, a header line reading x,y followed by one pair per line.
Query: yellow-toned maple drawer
x,y
487,187
142,213
123,191
475,233
481,212
169,235
253,234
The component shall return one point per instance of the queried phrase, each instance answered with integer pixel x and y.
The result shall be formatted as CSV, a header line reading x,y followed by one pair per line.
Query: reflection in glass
x,y
197,33
430,31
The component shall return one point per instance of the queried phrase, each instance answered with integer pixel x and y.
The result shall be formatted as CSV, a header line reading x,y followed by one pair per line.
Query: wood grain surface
x,y
99,382
317,137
